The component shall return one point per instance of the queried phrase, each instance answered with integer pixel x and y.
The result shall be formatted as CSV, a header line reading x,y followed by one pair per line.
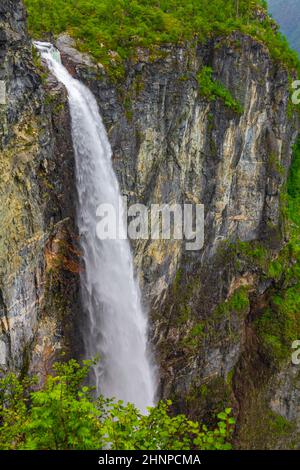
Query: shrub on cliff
x,y
63,414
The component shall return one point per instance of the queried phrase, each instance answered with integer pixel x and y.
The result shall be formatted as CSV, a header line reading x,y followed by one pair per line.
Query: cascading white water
x,y
117,329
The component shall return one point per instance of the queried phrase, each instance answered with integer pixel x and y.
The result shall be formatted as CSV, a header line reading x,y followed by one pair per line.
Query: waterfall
x,y
117,324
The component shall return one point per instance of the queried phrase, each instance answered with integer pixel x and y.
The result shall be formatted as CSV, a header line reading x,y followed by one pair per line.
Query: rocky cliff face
x,y
38,272
170,145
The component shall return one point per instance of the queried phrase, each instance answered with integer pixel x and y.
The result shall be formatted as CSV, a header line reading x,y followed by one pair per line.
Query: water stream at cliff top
x,y
117,324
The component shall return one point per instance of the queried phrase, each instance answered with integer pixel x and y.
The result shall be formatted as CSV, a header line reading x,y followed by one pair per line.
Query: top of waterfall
x,y
47,47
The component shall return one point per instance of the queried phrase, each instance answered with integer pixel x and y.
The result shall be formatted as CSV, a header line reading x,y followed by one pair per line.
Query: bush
x,y
63,414
111,31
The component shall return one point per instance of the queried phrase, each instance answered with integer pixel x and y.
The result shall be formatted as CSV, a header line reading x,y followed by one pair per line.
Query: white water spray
x,y
117,329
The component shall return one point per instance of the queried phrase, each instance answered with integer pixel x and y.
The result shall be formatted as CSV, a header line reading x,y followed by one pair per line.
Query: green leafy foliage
x,y
212,90
63,414
111,31
238,302
13,408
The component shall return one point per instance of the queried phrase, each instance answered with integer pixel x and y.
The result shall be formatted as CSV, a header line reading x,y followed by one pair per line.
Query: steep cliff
x,y
38,272
218,335
172,145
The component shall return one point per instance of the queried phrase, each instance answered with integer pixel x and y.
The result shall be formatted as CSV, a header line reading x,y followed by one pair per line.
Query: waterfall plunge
x,y
117,325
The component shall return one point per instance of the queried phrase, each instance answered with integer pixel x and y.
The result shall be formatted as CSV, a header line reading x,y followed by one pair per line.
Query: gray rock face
x,y
37,206
171,145
67,47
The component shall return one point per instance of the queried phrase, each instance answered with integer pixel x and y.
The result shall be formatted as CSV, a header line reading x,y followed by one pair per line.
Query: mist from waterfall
x,y
116,328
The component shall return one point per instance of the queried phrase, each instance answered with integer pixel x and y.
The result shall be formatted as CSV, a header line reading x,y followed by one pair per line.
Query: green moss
x,y
50,98
195,337
262,428
203,391
36,58
279,425
137,85
197,330
128,108
275,269
293,189
229,377
177,280
254,252
275,165
237,303
279,325
204,400
42,72
250,256
184,78
222,322
213,89
181,295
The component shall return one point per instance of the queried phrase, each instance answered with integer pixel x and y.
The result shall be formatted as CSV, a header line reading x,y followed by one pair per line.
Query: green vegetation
x,y
279,324
181,297
238,303
279,425
253,252
63,414
207,398
194,337
212,89
275,166
294,190
258,258
111,31
278,321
